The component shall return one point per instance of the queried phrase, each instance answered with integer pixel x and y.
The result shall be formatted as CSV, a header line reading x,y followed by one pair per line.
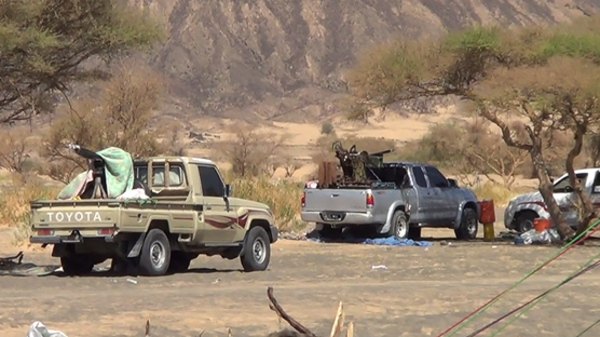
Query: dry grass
x,y
14,203
499,193
282,196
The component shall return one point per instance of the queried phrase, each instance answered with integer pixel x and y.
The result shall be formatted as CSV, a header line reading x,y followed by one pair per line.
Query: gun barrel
x,y
381,153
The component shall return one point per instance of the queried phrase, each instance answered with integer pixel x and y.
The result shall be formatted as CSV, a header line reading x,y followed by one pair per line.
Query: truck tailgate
x,y
74,214
335,200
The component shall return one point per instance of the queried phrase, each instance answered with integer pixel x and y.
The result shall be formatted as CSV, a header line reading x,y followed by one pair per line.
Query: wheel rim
x,y
157,255
471,225
401,228
526,225
259,250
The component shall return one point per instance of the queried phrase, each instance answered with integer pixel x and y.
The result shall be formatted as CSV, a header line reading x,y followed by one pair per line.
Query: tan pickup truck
x,y
190,212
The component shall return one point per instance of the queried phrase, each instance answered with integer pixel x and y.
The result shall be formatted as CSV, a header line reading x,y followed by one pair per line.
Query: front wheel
x,y
256,253
468,225
155,256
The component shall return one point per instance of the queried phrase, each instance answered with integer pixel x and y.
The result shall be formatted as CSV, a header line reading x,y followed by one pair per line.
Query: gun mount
x,y
97,166
354,166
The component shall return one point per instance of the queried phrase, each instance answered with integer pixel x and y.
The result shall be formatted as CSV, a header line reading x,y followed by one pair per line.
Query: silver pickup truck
x,y
403,198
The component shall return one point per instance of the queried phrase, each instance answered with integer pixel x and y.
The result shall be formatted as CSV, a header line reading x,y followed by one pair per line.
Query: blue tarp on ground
x,y
392,241
389,241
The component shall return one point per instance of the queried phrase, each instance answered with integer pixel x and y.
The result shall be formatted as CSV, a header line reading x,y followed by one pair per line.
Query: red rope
x,y
506,290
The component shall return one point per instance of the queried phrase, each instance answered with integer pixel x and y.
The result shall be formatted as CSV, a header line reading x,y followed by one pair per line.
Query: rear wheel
x,y
468,225
76,264
155,256
256,253
524,221
400,227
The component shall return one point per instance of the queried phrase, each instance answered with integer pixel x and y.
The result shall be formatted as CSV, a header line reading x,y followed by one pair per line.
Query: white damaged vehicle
x,y
524,208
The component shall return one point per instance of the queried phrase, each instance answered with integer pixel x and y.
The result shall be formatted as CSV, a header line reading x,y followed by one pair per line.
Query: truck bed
x,y
348,206
103,217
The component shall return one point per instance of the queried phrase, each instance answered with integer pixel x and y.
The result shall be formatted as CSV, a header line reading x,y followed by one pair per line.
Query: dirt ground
x,y
422,292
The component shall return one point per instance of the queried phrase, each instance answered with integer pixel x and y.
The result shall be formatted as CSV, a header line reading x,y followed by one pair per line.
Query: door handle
x,y
209,207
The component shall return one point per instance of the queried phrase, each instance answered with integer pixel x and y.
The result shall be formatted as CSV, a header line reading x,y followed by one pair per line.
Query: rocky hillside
x,y
282,60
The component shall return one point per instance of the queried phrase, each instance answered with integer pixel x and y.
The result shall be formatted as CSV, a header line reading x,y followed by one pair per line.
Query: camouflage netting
x,y
118,172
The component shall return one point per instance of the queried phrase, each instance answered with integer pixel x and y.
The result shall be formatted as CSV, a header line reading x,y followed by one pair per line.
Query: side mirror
x,y
228,191
452,183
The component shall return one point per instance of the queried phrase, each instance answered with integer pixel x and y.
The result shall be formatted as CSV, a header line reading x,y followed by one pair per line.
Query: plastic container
x,y
541,224
487,212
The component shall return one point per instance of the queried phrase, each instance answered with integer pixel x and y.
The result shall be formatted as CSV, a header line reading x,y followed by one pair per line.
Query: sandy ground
x,y
423,291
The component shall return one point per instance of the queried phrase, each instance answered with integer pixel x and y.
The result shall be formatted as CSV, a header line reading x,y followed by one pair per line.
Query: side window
x,y
596,185
212,185
158,175
564,185
436,178
419,176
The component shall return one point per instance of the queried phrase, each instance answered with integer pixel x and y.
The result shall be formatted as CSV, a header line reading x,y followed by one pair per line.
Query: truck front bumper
x,y
348,218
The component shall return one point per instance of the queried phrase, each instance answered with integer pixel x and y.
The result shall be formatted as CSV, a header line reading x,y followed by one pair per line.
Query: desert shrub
x,y
14,203
497,192
327,128
282,196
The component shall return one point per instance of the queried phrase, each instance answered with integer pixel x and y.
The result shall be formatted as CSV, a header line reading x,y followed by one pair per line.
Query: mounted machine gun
x,y
354,167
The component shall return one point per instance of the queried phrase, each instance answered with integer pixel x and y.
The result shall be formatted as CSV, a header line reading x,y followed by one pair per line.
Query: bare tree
x,y
120,116
14,150
252,153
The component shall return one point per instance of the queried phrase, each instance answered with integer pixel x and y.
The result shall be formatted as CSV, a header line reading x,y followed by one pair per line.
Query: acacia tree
x,y
46,45
544,77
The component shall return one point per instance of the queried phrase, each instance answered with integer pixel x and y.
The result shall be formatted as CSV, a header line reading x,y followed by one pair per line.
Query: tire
x,y
155,256
400,228
180,262
469,225
76,265
524,221
256,253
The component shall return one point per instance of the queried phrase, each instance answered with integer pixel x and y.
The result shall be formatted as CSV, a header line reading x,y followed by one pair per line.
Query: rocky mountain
x,y
282,59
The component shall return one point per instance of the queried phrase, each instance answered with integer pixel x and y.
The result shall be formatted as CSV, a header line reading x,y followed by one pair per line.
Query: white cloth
x,y
38,329
137,193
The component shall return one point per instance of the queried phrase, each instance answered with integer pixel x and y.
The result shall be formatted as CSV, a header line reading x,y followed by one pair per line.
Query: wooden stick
x,y
350,329
292,322
148,328
336,328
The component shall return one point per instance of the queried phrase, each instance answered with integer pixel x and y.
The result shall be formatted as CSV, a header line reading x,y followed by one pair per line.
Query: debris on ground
x,y
547,236
379,267
13,265
38,329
